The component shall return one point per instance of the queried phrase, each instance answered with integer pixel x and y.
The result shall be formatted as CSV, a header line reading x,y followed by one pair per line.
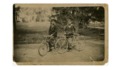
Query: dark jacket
x,y
53,30
69,29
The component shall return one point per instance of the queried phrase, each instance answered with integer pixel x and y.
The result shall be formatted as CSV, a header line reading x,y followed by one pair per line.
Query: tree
x,y
79,15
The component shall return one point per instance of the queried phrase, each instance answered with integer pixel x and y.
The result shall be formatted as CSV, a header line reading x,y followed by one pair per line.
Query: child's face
x,y
69,22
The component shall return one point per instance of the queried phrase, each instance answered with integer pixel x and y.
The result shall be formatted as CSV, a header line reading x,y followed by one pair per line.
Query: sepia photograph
x,y
60,34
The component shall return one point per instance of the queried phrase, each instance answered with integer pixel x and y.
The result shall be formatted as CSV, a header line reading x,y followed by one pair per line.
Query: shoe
x,y
69,49
50,50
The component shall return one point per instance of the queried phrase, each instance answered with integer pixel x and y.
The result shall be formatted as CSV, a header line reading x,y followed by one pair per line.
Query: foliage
x,y
80,16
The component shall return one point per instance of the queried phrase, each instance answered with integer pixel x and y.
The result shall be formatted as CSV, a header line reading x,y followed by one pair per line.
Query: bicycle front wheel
x,y
43,49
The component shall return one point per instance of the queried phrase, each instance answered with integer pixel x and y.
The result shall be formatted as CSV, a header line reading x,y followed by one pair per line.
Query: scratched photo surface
x,y
59,34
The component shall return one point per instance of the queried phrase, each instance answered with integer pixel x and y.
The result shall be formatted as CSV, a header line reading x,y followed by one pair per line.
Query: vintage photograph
x,y
60,34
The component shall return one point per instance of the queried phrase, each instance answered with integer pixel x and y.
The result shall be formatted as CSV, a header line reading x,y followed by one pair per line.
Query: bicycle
x,y
60,45
72,45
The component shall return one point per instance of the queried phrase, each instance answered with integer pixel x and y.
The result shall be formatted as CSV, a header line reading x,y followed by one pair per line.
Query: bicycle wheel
x,y
43,49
